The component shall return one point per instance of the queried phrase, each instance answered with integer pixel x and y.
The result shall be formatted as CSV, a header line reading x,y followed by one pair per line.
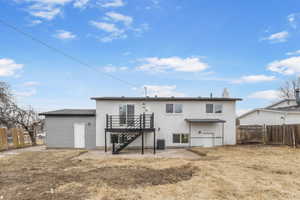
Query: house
x,y
139,122
286,111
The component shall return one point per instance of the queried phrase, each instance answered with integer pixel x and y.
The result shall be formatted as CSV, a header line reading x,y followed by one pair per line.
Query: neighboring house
x,y
286,111
140,121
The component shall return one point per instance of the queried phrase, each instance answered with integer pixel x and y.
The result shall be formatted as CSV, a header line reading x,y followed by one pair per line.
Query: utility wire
x,y
16,29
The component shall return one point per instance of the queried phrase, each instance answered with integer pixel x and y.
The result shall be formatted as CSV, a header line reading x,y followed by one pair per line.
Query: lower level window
x,y
180,138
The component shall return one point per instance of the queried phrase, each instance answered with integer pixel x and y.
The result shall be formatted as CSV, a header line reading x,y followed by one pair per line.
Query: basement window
x,y
180,138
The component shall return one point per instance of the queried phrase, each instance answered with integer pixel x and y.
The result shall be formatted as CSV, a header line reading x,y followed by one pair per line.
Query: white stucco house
x,y
118,122
285,111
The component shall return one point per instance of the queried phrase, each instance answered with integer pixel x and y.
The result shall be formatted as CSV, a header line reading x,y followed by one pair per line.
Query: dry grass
x,y
241,172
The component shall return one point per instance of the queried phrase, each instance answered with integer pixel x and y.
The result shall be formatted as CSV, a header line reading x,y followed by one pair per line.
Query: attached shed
x,y
70,128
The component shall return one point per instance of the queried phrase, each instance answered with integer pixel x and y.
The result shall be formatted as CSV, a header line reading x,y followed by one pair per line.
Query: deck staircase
x,y
123,139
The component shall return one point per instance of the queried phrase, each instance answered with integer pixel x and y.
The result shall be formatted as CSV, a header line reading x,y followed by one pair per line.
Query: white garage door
x,y
79,135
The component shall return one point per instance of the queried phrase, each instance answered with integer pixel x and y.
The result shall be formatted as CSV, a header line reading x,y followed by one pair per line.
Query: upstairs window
x,y
218,108
169,108
209,108
173,108
178,108
214,108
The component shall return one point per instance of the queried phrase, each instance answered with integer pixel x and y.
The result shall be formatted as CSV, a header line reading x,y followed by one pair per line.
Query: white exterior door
x,y
79,135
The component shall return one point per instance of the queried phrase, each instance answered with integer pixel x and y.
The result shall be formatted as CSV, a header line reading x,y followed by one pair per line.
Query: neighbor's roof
x,y
71,112
205,120
287,108
279,102
165,99
268,108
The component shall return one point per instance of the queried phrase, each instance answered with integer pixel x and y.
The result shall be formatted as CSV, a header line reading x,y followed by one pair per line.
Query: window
x,y
126,114
180,138
176,138
169,108
178,108
209,108
173,108
218,108
214,108
184,138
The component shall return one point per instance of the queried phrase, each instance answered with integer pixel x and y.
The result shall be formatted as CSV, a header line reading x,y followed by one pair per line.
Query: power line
x,y
16,29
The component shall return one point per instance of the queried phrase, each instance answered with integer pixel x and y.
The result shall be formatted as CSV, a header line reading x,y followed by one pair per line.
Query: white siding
x,y
270,118
167,124
261,117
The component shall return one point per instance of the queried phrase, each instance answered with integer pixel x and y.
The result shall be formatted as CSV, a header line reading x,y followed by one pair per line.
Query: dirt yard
x,y
241,172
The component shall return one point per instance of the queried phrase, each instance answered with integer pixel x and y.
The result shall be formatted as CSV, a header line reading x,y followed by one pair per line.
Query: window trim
x,y
181,135
174,108
214,108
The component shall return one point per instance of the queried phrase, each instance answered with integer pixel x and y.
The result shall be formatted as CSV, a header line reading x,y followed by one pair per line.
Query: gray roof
x,y
166,98
287,108
205,120
279,102
71,112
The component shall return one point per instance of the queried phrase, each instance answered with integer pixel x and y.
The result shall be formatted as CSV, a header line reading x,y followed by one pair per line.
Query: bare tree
x,y
7,106
29,120
287,90
11,115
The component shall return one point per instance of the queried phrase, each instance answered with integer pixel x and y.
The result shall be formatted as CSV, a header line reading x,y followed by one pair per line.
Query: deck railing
x,y
142,121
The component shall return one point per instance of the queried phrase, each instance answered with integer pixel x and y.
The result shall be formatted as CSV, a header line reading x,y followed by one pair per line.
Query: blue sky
x,y
174,47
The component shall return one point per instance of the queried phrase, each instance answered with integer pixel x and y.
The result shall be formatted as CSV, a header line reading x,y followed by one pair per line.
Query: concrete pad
x,y
18,151
136,154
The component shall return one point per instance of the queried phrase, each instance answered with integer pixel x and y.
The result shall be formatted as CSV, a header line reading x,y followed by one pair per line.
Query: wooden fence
x,y
270,134
13,138
249,134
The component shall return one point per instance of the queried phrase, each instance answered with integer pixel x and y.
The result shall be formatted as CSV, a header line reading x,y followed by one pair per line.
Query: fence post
x,y
3,139
21,137
15,138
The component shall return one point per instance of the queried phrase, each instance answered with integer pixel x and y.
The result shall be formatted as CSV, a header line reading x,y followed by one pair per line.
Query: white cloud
x,y
293,53
35,22
9,67
28,93
293,19
189,64
115,32
163,91
108,27
286,66
112,3
126,53
266,94
278,37
255,79
64,35
117,17
47,13
48,9
114,69
31,83
49,1
80,3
